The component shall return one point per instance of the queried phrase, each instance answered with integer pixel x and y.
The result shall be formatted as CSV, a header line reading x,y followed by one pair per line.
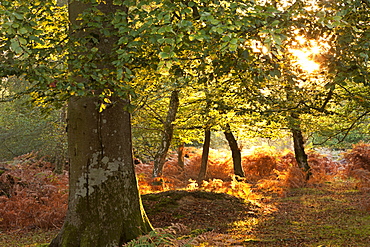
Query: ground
x,y
332,214
329,214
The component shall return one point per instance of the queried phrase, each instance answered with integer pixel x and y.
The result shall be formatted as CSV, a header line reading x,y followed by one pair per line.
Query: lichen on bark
x,y
104,202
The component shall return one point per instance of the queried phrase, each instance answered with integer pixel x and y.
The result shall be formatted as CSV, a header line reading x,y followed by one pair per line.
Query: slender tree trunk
x,y
181,155
60,149
160,157
205,154
235,151
104,207
298,143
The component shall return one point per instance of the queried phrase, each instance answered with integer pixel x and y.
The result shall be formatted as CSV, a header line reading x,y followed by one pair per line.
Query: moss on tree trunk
x,y
104,204
104,207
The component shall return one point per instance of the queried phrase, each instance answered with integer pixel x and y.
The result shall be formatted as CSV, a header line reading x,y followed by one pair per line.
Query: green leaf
x,y
275,23
22,31
277,39
164,55
191,4
168,54
337,18
15,25
233,47
18,16
234,41
80,85
14,45
119,73
22,41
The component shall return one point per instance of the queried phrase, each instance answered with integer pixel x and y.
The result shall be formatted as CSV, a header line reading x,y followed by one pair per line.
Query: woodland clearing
x,y
269,209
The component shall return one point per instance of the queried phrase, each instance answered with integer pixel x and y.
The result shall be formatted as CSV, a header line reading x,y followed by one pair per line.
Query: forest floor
x,y
329,214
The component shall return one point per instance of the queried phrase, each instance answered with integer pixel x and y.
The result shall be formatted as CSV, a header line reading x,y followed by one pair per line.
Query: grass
x,y
332,214
35,238
328,215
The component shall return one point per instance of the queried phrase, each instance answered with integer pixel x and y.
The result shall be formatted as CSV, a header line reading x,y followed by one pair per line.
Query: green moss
x,y
70,236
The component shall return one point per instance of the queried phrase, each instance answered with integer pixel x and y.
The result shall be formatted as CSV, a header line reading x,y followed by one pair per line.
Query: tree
x,y
283,91
167,134
104,207
205,154
235,151
103,199
104,204
95,65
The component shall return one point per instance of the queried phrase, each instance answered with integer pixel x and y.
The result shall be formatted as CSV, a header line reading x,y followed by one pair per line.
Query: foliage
x,y
359,156
163,237
34,36
271,170
341,136
358,164
202,38
28,180
31,195
25,129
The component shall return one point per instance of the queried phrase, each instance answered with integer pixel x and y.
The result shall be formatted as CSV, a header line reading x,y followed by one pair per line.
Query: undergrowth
x,y
178,235
32,196
358,165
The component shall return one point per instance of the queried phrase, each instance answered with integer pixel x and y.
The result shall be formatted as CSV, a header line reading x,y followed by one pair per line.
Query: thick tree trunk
x,y
160,157
205,155
298,143
104,207
235,151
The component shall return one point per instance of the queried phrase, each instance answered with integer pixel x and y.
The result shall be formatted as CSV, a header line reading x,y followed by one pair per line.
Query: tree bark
x,y
205,155
60,150
160,157
104,207
181,155
299,151
235,151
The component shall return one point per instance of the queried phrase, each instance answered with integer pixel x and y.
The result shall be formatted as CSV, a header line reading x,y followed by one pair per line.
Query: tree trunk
x,y
160,157
235,151
181,155
104,207
60,149
205,155
299,151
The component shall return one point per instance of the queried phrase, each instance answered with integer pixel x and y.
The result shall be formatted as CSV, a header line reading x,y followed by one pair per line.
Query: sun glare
x,y
306,53
304,61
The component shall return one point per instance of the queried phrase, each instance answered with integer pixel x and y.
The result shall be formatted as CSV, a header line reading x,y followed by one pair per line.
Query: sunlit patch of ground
x,y
333,214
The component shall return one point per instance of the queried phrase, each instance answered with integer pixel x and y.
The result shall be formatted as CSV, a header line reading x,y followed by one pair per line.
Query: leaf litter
x,y
271,207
